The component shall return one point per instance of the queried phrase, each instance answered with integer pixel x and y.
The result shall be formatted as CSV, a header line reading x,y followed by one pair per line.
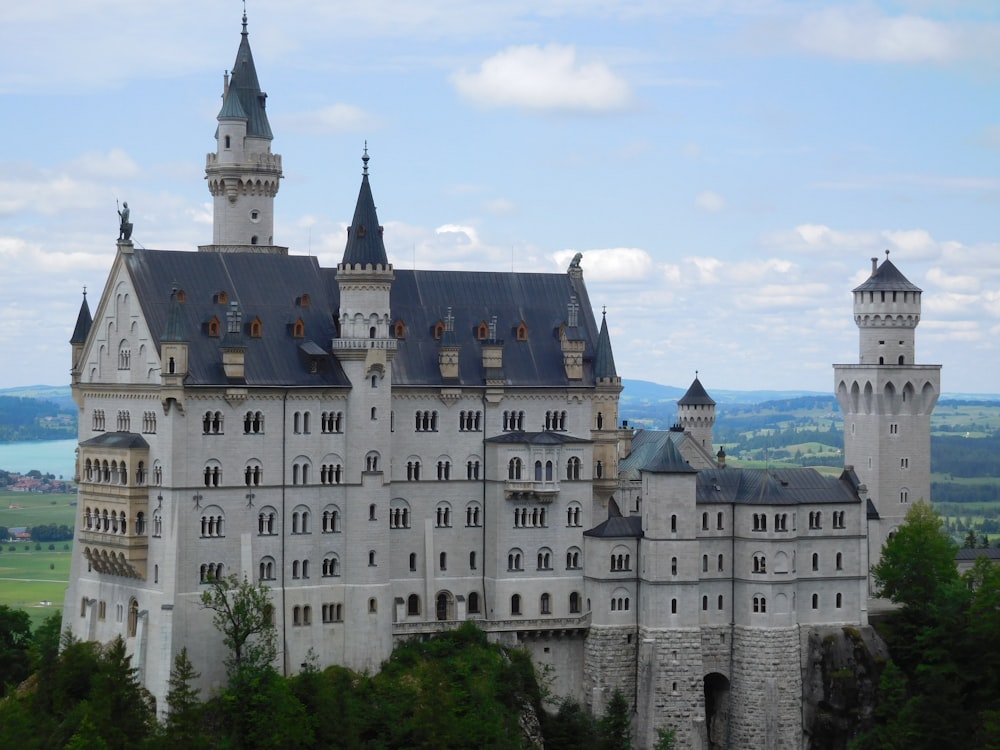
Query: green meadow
x,y
36,509
34,581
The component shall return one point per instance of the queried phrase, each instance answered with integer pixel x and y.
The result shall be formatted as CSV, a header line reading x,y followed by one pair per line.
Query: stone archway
x,y
717,710
444,606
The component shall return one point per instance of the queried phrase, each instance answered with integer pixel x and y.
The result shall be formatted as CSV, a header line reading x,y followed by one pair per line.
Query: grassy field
x,y
34,509
34,581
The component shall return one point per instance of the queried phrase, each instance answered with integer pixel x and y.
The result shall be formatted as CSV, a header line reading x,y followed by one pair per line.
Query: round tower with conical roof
x,y
696,414
243,175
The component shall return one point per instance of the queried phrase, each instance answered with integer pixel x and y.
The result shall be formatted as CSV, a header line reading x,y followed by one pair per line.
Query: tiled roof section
x,y
668,460
244,85
266,286
83,323
231,107
887,278
618,527
773,487
696,396
871,511
536,438
364,236
116,440
604,360
422,298
646,444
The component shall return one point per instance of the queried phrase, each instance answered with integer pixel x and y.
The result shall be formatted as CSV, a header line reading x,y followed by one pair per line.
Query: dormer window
x,y
299,329
522,332
214,327
304,301
438,330
253,240
181,296
399,329
256,328
221,298
483,331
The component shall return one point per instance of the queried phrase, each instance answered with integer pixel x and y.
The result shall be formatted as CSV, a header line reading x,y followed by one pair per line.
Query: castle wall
x,y
609,664
765,701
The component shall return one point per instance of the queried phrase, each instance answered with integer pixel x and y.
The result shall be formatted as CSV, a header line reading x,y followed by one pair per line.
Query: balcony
x,y
539,492
542,627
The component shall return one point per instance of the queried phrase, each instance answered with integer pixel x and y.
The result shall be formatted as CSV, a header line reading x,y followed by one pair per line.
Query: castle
x,y
394,452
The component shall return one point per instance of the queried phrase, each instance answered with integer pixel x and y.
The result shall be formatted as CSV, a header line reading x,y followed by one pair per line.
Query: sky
x,y
727,168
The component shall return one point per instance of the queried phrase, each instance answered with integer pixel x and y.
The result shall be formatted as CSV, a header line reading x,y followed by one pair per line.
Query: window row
x,y
470,421
112,472
529,518
544,604
330,567
543,472
96,519
760,522
102,612
426,421
544,559
555,420
267,521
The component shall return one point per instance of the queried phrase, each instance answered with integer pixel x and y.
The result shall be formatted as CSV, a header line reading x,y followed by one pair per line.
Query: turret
x,y
887,311
243,175
80,332
696,414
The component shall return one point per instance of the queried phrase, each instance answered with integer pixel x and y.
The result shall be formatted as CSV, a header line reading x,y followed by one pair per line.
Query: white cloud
x,y
116,164
953,283
546,78
611,264
863,33
710,201
335,118
819,238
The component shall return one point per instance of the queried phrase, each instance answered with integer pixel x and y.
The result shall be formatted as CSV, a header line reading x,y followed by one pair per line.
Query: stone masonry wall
x,y
609,663
765,703
671,692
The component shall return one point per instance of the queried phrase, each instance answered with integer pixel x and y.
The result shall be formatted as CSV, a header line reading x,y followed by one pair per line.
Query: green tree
x,y
970,540
917,560
243,613
121,708
15,640
184,726
615,727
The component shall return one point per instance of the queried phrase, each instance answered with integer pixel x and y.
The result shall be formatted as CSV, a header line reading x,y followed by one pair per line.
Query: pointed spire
x,y
668,460
83,322
604,359
887,278
364,236
696,395
244,87
174,330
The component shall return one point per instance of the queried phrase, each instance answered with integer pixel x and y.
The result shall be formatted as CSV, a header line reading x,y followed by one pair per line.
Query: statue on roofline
x,y
124,225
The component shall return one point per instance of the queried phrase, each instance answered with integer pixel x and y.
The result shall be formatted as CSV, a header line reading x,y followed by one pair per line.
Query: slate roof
x,y
992,553
116,440
269,287
83,323
773,487
668,460
244,87
696,396
618,527
887,278
536,438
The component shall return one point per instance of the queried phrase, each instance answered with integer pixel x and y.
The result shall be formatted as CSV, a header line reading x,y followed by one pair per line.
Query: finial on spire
x,y
244,16
695,374
887,254
365,158
604,310
85,291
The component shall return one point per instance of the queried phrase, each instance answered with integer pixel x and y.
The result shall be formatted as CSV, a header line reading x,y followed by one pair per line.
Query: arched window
x,y
815,601
331,565
574,603
545,604
473,602
673,523
840,597
133,616
815,561
412,605
413,561
515,604
840,561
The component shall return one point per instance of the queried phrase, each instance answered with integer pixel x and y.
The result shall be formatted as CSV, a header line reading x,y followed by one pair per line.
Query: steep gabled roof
x,y
364,236
773,487
83,323
887,278
244,92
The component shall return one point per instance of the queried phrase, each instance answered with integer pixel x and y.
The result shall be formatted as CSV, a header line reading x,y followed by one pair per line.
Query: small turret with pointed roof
x,y
84,321
365,245
696,413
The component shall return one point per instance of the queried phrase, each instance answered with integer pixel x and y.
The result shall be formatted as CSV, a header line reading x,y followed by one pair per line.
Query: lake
x,y
56,457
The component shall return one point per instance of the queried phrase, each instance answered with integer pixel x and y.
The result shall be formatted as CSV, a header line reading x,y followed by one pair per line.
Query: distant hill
x,y
60,395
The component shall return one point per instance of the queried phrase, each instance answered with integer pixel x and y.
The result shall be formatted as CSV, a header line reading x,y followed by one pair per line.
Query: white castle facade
x,y
395,452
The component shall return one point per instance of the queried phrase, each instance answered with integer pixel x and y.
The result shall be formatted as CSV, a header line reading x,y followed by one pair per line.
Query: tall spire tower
x,y
887,400
243,175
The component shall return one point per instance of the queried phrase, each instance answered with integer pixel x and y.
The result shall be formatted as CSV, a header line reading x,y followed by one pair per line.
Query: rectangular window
x,y
893,428
904,463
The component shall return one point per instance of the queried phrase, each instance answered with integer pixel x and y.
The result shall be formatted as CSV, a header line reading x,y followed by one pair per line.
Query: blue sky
x,y
726,167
